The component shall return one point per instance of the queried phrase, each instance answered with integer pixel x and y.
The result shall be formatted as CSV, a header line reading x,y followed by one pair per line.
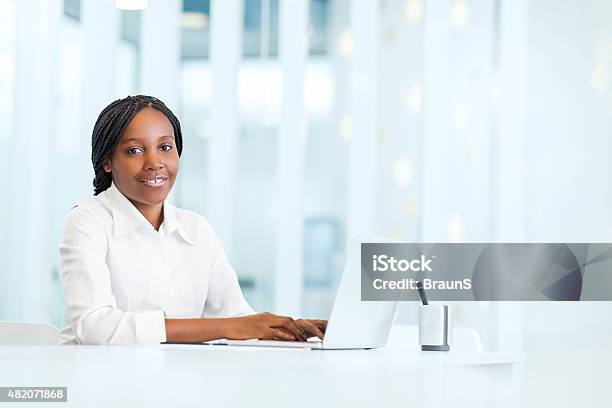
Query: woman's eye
x,y
166,147
134,150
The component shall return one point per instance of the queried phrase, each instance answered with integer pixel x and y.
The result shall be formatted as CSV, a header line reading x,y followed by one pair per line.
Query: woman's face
x,y
145,162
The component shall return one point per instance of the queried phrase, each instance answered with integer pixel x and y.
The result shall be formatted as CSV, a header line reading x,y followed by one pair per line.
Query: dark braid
x,y
110,126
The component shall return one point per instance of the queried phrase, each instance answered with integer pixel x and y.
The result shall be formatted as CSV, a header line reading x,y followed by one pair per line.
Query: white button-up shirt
x,y
122,278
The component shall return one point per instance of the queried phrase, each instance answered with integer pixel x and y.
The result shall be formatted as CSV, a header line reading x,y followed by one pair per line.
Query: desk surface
x,y
203,375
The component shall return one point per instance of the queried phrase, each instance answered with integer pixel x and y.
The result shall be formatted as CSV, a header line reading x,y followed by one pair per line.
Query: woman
x,y
137,270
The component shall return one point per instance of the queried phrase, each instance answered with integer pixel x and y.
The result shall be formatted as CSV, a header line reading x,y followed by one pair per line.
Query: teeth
x,y
155,181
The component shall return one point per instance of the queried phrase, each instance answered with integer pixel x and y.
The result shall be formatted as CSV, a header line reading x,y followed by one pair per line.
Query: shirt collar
x,y
172,224
126,216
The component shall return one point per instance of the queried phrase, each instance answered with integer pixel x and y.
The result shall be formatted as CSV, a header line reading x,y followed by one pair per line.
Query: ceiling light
x,y
345,127
345,43
193,20
459,14
414,11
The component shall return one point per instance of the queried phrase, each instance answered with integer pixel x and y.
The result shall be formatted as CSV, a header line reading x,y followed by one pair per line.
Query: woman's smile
x,y
155,181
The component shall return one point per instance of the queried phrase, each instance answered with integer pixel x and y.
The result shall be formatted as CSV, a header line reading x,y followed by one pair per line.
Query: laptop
x,y
353,324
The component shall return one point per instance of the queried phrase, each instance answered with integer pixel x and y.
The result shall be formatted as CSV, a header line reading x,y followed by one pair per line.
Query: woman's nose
x,y
153,161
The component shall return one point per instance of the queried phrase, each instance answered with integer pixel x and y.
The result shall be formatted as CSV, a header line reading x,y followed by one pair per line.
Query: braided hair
x,y
110,126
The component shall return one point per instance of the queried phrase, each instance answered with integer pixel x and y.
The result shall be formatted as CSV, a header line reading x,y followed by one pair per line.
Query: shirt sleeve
x,y
224,297
89,304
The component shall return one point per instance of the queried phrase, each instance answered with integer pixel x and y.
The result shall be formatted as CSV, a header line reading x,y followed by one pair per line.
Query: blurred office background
x,y
307,122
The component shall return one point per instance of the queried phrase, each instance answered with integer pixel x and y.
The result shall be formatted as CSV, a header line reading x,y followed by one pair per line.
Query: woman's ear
x,y
107,166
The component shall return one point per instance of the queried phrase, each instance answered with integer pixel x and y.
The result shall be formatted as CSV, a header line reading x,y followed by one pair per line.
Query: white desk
x,y
221,376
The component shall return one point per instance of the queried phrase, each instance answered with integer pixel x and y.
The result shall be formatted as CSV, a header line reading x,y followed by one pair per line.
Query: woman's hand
x,y
312,328
267,326
260,326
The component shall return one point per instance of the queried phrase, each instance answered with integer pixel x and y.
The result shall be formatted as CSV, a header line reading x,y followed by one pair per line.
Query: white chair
x,y
27,334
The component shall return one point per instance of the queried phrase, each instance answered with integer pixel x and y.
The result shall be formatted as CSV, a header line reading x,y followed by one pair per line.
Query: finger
x,y
311,328
278,334
301,329
322,324
290,325
281,335
301,333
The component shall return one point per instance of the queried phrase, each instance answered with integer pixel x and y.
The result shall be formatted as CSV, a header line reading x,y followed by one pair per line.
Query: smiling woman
x,y
136,269
145,162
